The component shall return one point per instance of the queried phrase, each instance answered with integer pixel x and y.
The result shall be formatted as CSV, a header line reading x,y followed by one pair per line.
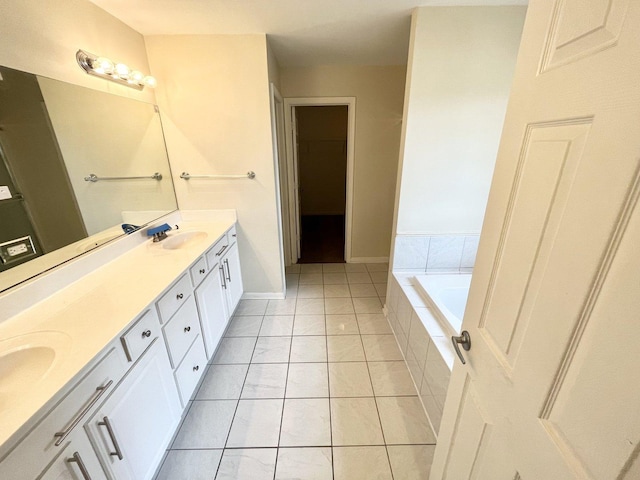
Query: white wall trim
x,y
350,102
369,260
262,296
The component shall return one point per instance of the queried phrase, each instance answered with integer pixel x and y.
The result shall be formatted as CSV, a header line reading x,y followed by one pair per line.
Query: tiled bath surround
x,y
424,343
435,253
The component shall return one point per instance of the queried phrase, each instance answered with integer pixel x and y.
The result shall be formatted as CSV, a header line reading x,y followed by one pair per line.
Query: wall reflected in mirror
x,y
53,135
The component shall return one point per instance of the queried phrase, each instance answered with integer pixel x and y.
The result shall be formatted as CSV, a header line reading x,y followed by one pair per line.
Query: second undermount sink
x,y
25,360
183,239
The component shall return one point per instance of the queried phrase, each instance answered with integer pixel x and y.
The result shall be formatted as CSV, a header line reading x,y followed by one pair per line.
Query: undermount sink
x,y
27,359
182,240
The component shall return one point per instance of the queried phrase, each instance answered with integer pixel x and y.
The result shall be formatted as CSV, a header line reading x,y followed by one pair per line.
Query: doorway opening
x,y
320,172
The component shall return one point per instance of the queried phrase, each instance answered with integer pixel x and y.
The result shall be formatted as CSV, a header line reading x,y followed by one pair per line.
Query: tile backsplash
x,y
435,253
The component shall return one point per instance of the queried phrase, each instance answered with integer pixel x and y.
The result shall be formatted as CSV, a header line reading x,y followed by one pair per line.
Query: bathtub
x,y
446,295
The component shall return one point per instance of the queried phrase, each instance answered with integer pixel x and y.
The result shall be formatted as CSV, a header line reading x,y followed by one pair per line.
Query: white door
x,y
551,388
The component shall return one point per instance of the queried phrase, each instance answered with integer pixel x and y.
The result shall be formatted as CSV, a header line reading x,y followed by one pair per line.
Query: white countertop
x,y
95,310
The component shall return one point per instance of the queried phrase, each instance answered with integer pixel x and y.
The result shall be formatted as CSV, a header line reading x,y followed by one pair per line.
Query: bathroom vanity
x,y
95,377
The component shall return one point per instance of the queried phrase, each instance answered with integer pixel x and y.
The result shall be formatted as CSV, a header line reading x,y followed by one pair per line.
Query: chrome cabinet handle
x,y
465,341
92,401
106,423
196,368
180,296
221,250
202,270
224,280
83,469
146,333
226,261
187,329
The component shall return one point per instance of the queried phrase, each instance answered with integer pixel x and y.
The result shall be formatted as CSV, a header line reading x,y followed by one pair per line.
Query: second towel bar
x,y
187,176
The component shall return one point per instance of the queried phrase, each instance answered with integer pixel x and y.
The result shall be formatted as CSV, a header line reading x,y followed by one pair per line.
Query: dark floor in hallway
x,y
322,239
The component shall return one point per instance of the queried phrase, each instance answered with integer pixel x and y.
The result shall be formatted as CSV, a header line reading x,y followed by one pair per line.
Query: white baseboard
x,y
262,296
368,260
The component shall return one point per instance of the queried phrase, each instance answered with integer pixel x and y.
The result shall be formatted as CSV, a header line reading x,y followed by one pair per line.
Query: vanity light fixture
x,y
116,72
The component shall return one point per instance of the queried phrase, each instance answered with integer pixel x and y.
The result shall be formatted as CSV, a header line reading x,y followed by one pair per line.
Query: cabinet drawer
x,y
35,452
180,332
171,301
216,252
198,271
140,335
232,235
190,370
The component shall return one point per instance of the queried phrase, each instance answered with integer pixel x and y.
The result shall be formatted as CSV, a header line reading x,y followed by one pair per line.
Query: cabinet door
x,y
211,301
76,462
134,426
233,277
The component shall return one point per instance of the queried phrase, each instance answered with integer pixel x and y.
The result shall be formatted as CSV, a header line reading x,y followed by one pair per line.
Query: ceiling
x,y
301,32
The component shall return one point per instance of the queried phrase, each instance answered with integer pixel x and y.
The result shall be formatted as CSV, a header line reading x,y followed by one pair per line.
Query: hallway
x,y
313,387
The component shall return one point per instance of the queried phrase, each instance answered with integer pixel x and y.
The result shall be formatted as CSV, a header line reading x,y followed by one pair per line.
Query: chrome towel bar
x,y
249,174
94,178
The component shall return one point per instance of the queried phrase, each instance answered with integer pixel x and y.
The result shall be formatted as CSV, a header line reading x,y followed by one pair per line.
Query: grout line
x,y
326,338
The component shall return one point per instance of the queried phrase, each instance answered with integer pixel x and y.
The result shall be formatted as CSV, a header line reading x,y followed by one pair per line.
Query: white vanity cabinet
x,y
76,461
212,307
232,278
133,427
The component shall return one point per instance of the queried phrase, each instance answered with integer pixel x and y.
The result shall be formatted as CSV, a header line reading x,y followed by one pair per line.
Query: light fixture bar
x,y
118,73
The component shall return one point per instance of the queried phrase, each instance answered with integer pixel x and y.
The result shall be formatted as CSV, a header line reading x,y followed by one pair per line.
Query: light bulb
x,y
122,70
136,77
102,65
150,81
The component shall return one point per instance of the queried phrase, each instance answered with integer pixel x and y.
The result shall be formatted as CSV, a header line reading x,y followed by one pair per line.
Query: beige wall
x,y
461,64
214,100
43,37
379,94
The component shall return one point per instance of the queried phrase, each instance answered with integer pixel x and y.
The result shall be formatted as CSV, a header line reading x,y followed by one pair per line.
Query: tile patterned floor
x,y
313,387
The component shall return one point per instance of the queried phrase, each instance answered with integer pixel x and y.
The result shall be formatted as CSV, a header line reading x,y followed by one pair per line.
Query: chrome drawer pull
x,y
196,368
106,423
226,261
92,401
83,469
180,296
146,333
187,329
202,270
221,250
224,280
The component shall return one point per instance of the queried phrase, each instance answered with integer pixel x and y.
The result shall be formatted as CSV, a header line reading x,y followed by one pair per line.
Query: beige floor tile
x,y
360,290
256,424
290,294
391,378
310,279
379,277
309,325
307,380
342,325
378,267
309,349
265,380
333,268
310,306
206,425
244,326
251,307
276,326
381,348
337,291
411,462
334,278
247,464
292,268
381,288
354,421
349,379
190,465
235,350
358,277
282,307
311,268
311,291
304,464
404,421
272,350
338,306
305,422
345,348
372,323
222,382
355,268
367,305
361,463
292,278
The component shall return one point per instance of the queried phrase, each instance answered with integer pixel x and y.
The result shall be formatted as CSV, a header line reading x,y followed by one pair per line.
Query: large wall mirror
x,y
75,164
